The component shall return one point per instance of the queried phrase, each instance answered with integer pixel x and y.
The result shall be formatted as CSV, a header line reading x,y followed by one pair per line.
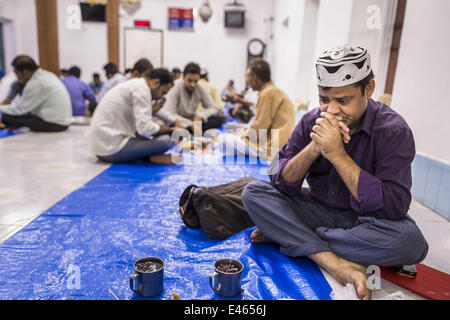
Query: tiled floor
x,y
44,168
39,169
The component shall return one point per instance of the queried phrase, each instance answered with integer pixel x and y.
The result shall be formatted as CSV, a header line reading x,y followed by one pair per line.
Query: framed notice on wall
x,y
181,19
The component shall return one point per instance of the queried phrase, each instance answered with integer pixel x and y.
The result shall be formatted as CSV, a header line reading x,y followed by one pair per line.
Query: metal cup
x,y
226,284
148,284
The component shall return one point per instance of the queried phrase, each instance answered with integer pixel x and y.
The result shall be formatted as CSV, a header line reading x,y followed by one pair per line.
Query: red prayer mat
x,y
429,283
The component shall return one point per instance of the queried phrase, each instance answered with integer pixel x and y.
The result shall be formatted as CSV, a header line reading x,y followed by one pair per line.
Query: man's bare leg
x,y
344,271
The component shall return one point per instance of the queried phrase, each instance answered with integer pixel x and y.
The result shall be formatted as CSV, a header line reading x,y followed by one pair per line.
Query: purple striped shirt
x,y
383,147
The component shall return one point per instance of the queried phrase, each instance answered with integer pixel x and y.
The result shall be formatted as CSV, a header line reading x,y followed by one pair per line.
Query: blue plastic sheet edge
x,y
4,133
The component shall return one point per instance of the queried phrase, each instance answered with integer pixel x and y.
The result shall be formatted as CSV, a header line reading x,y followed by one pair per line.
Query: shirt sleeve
x,y
16,88
105,88
387,191
296,143
89,94
263,118
169,111
208,104
142,110
33,96
216,98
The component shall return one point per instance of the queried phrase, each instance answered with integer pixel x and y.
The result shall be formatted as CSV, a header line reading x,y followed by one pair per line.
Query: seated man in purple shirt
x,y
356,156
79,92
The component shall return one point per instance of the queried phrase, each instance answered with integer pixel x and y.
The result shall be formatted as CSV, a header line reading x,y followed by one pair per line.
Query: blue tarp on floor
x,y
84,246
4,133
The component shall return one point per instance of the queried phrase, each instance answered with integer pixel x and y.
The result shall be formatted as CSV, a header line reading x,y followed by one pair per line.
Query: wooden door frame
x,y
47,31
395,46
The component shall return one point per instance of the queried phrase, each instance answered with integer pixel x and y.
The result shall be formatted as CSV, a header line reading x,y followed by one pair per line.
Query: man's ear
x,y
370,88
155,83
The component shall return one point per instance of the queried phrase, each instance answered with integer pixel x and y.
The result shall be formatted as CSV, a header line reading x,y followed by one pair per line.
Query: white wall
x,y
20,30
294,27
333,24
372,28
84,45
223,51
421,80
285,44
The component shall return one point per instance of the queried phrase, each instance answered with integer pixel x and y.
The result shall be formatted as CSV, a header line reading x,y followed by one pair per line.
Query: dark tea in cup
x,y
148,280
226,279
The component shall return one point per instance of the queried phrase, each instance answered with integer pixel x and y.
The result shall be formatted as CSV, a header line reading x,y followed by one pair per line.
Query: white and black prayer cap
x,y
342,66
203,70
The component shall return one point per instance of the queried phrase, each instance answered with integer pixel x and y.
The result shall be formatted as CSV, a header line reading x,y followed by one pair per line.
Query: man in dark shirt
x,y
79,92
356,156
96,84
15,90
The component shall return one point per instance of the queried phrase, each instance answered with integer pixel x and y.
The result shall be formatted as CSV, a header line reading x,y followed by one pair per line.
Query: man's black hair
x,y
142,66
96,75
164,75
176,70
191,68
261,69
111,68
23,62
75,71
362,84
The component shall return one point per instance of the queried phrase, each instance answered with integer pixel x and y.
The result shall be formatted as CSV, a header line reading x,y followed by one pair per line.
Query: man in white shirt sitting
x,y
45,103
180,108
122,128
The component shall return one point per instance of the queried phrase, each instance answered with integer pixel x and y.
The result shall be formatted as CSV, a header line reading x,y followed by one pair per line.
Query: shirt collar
x,y
265,85
368,118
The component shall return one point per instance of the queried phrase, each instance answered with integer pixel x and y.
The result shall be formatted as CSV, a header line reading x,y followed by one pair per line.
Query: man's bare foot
x,y
344,272
356,275
165,159
257,237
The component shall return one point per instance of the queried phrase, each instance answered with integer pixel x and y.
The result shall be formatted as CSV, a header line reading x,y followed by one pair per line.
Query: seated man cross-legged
x,y
273,123
356,156
180,108
44,105
122,128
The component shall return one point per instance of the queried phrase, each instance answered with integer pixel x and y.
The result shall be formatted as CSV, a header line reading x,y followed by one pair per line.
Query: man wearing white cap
x,y
356,155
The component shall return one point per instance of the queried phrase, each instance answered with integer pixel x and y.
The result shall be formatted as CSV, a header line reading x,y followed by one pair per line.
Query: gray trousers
x,y
140,148
302,227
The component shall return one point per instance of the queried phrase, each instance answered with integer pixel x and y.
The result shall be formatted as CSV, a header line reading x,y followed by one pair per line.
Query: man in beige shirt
x,y
274,122
212,90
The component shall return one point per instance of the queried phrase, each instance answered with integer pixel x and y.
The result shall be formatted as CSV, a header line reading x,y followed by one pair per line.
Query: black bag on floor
x,y
218,210
213,122
245,114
